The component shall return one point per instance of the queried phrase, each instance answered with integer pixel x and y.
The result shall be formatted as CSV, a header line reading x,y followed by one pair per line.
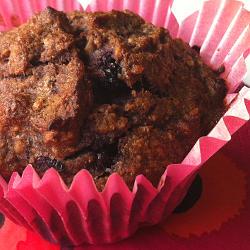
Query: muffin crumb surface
x,y
106,92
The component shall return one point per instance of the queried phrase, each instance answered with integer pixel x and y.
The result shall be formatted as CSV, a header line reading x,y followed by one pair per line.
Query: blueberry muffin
x,y
106,92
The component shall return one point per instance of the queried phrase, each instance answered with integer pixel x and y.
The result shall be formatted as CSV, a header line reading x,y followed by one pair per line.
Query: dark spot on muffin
x,y
111,70
105,158
145,84
35,61
42,163
105,72
220,70
196,48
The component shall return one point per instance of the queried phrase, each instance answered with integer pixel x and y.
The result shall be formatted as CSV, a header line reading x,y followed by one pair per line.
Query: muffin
x,y
106,92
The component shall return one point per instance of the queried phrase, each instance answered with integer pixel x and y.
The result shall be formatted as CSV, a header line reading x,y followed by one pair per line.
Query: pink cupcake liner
x,y
80,214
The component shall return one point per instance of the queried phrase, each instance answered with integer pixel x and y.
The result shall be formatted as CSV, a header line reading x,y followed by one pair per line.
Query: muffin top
x,y
106,92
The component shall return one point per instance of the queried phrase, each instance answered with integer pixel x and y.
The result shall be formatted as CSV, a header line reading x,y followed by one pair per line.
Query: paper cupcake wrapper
x,y
81,214
216,205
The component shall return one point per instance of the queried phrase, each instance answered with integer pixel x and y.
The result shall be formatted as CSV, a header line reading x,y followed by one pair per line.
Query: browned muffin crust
x,y
105,92
44,96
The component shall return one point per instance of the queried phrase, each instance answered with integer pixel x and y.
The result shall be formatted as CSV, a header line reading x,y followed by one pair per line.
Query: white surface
x,y
247,77
84,3
189,6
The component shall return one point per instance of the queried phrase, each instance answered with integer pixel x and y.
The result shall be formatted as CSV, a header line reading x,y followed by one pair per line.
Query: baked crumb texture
x,y
105,92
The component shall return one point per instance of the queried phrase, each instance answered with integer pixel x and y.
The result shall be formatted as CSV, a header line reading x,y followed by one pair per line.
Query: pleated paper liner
x,y
220,201
81,214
